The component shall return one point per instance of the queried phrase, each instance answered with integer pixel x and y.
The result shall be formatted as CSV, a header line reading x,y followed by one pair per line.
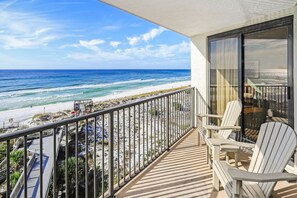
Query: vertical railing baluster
x,y
40,164
134,140
25,167
138,124
95,156
169,106
184,113
129,127
176,117
118,148
110,155
66,161
87,158
158,126
193,107
155,127
151,129
103,155
124,144
76,160
147,136
162,125
143,135
8,169
55,164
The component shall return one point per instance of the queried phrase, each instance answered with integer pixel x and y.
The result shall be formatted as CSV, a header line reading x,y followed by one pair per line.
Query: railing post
x,y
110,156
167,123
193,107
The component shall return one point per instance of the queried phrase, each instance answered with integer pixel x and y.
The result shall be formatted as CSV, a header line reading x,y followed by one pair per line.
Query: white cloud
x,y
13,42
114,43
26,30
41,31
133,40
159,51
92,44
149,51
153,33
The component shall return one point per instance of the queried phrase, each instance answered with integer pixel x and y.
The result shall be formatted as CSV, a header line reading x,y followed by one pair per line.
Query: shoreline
x,y
24,114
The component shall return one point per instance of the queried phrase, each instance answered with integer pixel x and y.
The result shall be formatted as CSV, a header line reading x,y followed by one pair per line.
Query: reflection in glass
x,y
265,79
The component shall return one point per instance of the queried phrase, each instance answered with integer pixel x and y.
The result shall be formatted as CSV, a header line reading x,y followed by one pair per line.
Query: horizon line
x,y
91,69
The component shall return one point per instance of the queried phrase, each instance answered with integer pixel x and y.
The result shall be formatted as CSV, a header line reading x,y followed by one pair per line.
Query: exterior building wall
x,y
199,53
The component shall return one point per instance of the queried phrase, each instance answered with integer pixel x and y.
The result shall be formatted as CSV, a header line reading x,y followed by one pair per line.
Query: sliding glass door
x,y
254,64
266,93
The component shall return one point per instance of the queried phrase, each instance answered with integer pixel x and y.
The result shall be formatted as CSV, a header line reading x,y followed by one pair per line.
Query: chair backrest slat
x,y
230,117
275,145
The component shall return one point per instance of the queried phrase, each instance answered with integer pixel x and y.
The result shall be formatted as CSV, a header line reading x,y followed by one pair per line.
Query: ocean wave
x,y
54,89
40,98
29,92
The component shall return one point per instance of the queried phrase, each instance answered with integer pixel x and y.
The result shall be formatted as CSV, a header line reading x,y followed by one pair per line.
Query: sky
x,y
84,34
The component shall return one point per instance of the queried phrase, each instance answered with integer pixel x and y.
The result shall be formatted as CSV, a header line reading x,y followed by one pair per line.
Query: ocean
x,y
26,88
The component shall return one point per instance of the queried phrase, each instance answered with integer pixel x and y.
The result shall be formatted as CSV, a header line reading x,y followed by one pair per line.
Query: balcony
x,y
183,172
147,148
97,154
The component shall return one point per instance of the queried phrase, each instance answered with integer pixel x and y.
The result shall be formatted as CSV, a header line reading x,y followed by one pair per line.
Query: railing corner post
x,y
110,156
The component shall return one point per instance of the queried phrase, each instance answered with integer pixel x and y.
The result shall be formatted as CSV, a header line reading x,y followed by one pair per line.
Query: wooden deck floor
x,y
183,172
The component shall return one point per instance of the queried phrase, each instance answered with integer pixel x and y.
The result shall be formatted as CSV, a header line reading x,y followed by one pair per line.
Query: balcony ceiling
x,y
192,17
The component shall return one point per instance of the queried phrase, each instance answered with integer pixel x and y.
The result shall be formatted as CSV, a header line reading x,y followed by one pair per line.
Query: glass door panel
x,y
265,79
224,64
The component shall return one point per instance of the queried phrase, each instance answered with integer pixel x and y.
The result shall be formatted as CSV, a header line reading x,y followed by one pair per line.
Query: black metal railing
x,y
275,96
97,154
260,104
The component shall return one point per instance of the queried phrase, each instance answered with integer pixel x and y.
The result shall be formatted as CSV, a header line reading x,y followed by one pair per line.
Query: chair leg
x,y
215,181
236,159
207,155
227,158
216,157
237,189
199,139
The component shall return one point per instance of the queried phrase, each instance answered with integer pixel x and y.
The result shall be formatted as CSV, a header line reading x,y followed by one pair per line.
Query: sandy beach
x,y
23,114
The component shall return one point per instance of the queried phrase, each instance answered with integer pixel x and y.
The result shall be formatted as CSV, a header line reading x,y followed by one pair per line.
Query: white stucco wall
x,y
199,52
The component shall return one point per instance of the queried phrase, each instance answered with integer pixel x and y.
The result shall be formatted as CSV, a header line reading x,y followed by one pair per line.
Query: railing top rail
x,y
29,131
258,85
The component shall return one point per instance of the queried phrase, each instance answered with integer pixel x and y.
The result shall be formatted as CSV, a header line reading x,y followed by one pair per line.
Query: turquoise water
x,y
25,88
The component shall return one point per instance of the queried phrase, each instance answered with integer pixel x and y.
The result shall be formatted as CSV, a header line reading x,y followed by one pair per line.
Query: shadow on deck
x,y
183,172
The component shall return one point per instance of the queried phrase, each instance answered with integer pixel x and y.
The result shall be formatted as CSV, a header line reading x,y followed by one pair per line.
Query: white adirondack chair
x,y
275,146
229,119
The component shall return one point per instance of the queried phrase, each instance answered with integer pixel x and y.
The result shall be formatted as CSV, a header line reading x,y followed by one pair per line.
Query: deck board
x,y
183,172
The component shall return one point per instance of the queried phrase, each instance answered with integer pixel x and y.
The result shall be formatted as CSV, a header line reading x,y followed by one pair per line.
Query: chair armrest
x,y
213,127
240,144
241,175
210,116
230,148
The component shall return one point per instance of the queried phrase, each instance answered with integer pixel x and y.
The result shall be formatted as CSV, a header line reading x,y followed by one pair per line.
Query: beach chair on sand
x,y
228,121
275,146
